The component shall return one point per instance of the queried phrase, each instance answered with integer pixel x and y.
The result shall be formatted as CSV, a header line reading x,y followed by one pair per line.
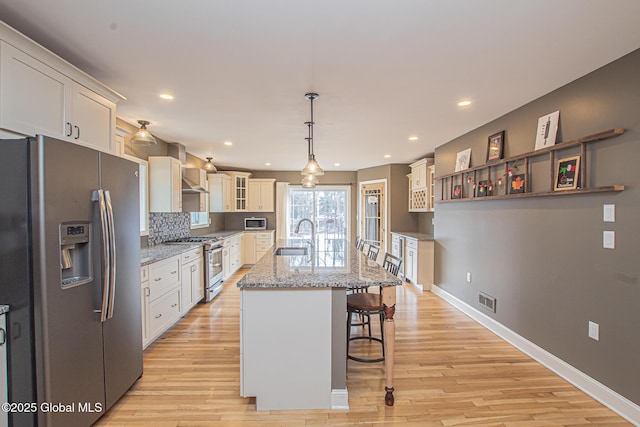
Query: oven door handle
x,y
217,264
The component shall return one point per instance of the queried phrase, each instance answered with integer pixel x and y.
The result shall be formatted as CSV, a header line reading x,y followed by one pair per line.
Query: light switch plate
x,y
594,331
609,213
609,239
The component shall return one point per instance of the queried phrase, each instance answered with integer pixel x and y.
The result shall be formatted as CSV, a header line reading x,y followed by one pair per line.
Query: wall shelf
x,y
449,180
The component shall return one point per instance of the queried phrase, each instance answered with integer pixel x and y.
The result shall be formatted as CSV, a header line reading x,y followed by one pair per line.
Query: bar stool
x,y
359,243
373,252
367,305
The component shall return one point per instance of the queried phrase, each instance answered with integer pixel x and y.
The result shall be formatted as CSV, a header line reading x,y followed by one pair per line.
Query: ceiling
x,y
384,70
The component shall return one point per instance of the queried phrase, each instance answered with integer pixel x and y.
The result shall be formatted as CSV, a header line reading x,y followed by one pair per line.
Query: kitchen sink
x,y
291,251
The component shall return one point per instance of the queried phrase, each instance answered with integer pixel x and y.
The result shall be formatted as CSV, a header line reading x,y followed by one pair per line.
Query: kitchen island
x,y
293,324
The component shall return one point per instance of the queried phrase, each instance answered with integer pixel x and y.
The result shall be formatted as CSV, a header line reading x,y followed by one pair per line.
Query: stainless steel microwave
x,y
255,223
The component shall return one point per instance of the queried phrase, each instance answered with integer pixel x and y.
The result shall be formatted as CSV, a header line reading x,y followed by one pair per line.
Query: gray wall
x,y
542,258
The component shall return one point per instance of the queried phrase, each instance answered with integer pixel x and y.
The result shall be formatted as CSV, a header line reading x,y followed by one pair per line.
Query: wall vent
x,y
487,301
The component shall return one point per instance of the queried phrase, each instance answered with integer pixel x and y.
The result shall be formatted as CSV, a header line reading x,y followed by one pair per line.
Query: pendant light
x,y
143,137
312,167
309,181
209,166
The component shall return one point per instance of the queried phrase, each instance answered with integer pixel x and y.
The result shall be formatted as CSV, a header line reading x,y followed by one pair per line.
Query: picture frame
x,y
517,184
463,160
567,174
495,147
457,192
547,130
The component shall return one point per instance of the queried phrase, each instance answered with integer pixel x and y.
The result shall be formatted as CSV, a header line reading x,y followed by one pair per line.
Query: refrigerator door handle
x,y
112,254
106,262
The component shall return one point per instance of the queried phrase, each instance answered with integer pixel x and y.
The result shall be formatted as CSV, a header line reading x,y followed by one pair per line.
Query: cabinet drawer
x,y
191,255
263,247
164,311
413,244
163,276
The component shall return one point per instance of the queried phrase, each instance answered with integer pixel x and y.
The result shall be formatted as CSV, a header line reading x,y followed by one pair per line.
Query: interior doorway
x,y
373,213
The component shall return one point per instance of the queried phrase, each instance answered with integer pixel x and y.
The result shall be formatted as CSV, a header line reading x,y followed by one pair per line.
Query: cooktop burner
x,y
195,239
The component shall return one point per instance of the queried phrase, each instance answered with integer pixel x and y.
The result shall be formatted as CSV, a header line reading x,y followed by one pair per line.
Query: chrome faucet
x,y
313,230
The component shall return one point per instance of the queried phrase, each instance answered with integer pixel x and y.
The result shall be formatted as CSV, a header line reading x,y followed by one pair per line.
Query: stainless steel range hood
x,y
190,181
190,176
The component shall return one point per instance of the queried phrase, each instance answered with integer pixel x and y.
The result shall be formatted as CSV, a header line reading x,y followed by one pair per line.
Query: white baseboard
x,y
614,401
339,398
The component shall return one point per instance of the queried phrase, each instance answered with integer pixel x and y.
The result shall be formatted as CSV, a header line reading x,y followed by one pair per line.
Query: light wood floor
x,y
449,371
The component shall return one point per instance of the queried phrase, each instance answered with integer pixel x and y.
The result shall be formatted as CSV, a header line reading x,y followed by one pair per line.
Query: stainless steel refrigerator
x,y
70,271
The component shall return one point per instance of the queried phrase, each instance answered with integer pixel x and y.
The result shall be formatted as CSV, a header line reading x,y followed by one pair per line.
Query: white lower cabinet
x,y
164,311
232,256
170,288
256,244
192,280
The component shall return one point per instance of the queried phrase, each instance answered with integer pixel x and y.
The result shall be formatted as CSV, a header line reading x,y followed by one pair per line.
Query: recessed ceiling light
x,y
267,164
464,103
167,96
336,164
413,138
386,156
228,143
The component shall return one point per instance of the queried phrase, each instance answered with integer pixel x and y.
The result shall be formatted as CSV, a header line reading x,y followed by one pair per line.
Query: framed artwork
x,y
567,173
463,160
495,148
517,184
482,189
457,191
547,130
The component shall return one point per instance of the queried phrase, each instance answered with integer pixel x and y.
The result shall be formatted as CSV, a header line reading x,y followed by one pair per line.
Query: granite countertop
x,y
339,266
414,235
159,252
4,309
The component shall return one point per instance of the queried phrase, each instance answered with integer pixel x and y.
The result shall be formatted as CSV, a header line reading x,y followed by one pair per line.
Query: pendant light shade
x,y
312,167
143,136
309,181
209,166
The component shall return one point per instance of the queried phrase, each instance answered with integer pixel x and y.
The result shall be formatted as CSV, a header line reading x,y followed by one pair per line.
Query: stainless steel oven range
x,y
212,247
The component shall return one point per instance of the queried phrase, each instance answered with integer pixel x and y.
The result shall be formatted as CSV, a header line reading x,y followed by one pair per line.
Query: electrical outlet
x,y
468,277
594,330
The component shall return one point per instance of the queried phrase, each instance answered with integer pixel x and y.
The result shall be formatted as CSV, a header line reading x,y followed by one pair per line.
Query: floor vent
x,y
487,301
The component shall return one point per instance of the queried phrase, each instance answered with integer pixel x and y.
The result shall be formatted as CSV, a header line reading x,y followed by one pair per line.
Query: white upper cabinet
x,y
165,184
42,94
239,190
420,198
261,194
219,192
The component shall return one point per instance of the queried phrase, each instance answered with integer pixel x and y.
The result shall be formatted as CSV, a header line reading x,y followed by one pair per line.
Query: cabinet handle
x,y
193,268
174,272
157,279
77,132
187,257
147,292
3,336
70,129
159,316
174,305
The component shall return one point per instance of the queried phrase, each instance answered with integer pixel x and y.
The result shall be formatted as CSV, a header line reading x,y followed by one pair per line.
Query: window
x,y
328,208
201,219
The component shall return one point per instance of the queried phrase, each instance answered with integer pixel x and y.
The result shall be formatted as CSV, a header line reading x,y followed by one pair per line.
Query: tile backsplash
x,y
165,226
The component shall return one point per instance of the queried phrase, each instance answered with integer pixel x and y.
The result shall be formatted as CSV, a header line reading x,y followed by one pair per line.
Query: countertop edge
x,y
4,308
415,235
